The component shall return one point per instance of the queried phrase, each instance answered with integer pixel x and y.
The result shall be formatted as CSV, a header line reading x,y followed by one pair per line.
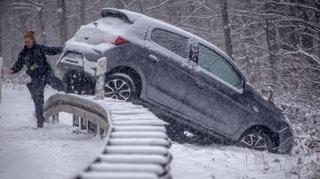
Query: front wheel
x,y
256,139
120,86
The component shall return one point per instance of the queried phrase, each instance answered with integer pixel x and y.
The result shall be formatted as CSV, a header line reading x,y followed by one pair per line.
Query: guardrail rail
x,y
136,143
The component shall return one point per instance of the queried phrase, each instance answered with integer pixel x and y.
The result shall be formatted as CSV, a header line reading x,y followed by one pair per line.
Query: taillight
x,y
119,41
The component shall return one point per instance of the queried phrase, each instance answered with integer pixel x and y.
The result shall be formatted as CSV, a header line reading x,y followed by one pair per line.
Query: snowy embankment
x,y
226,162
52,152
56,152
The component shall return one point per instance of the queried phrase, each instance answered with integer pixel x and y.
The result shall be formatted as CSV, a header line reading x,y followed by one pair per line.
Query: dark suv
x,y
175,73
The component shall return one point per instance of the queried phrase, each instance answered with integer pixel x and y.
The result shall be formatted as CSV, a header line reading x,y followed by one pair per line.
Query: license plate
x,y
74,55
73,58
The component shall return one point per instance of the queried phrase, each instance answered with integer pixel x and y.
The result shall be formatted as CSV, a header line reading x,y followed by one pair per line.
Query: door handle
x,y
153,58
199,84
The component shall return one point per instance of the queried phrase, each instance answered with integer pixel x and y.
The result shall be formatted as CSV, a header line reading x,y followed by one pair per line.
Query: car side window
x,y
219,66
176,43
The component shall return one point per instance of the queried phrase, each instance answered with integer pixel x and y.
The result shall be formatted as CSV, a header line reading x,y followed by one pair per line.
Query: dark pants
x,y
36,89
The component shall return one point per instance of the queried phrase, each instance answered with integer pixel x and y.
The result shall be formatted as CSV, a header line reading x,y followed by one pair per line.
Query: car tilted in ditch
x,y
188,81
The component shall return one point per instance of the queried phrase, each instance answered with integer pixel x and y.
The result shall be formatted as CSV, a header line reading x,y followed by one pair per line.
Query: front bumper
x,y
286,140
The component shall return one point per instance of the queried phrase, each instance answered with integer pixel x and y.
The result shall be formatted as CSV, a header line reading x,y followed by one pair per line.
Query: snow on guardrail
x,y
136,143
93,117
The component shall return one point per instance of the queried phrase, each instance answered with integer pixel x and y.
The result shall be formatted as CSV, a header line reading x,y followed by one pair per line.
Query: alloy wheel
x,y
257,140
117,89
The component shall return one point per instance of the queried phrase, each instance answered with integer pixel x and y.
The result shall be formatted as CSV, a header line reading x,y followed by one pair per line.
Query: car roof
x,y
138,18
133,16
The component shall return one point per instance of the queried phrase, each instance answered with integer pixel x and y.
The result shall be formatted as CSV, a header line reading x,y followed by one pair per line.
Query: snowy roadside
x,y
55,152
51,152
229,162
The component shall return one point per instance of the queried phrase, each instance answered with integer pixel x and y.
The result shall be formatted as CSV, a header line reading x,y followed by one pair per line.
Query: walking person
x,y
33,56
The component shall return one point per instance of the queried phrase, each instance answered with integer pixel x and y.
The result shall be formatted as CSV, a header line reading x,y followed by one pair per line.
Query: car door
x,y
165,67
211,100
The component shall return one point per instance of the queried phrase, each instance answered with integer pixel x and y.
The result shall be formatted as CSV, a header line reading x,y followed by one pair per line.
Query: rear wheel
x,y
256,139
120,86
78,83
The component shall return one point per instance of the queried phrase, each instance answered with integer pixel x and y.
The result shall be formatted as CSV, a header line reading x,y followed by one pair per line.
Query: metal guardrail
x,y
93,117
136,143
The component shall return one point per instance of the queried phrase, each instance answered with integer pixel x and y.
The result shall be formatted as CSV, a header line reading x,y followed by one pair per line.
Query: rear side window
x,y
217,65
176,43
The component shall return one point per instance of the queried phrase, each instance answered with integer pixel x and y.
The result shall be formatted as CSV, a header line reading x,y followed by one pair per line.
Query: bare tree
x,y
271,45
1,29
270,40
29,6
226,27
63,21
82,11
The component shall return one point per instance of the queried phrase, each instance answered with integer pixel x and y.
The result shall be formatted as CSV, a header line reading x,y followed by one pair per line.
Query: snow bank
x,y
52,152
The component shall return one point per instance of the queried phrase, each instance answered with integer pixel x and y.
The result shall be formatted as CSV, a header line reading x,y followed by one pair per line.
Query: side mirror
x,y
194,53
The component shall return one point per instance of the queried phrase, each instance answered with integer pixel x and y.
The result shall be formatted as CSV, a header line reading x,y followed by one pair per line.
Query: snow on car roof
x,y
161,24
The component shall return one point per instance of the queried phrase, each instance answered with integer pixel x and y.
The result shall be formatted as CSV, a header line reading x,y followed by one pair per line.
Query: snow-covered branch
x,y
312,56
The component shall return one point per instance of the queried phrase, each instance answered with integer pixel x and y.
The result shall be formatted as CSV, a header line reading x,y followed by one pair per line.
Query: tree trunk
x,y
1,12
83,12
0,33
318,20
306,40
226,27
270,39
63,21
42,26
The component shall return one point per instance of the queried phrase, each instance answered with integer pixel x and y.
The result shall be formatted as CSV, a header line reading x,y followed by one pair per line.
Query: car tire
x,y
120,86
78,83
256,139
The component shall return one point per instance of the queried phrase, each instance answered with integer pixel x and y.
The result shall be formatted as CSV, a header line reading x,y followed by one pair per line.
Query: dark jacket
x,y
35,60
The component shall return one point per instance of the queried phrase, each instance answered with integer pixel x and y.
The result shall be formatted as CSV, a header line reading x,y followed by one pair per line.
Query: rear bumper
x,y
81,64
86,61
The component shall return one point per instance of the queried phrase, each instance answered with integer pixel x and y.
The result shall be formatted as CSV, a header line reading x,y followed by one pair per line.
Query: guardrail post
x,y
1,76
101,133
83,123
100,76
75,120
55,118
98,129
92,127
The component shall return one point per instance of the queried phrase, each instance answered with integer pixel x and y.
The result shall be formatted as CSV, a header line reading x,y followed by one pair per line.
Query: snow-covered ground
x,y
53,152
56,152
225,162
